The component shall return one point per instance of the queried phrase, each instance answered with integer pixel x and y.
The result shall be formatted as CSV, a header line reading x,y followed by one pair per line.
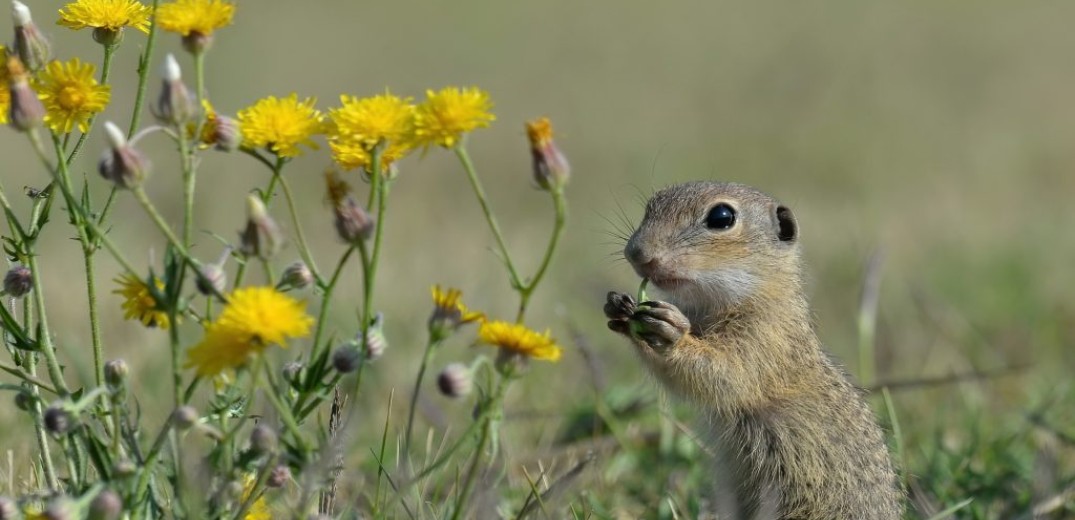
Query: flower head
x,y
259,510
195,16
253,319
112,15
5,91
362,123
139,302
449,312
446,115
71,95
281,124
551,169
516,338
219,131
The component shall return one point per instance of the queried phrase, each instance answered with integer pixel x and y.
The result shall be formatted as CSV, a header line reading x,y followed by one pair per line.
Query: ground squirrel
x,y
792,437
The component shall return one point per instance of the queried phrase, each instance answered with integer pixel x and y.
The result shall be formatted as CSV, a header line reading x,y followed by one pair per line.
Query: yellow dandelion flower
x,y
253,319
5,92
361,123
71,95
139,304
195,16
446,115
352,154
518,339
259,510
112,15
448,307
373,119
539,132
281,124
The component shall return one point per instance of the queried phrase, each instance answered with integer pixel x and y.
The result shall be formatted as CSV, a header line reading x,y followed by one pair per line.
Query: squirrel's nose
x,y
636,255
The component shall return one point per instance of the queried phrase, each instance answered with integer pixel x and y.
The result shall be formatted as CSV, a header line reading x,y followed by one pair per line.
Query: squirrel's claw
x,y
659,324
619,306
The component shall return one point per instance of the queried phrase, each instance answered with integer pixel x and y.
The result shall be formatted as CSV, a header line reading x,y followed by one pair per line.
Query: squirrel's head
x,y
712,244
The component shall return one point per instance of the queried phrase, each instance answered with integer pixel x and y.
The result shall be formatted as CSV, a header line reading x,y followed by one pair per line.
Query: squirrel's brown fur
x,y
791,435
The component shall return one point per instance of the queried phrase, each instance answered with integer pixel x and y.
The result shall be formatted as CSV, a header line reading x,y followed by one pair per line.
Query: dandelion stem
x,y
187,160
431,345
106,67
155,216
143,72
304,248
287,418
326,297
557,230
475,183
59,176
493,405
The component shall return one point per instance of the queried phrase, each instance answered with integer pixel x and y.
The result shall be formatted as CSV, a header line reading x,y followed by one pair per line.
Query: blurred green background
x,y
940,132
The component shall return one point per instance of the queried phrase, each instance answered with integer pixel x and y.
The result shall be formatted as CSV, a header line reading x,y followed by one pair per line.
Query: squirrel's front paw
x,y
619,307
660,325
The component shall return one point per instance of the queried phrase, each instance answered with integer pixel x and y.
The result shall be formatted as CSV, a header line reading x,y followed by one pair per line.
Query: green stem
x,y
431,345
557,231
151,458
95,321
304,248
378,192
326,297
187,161
287,418
45,338
143,72
475,461
155,216
61,177
468,165
106,67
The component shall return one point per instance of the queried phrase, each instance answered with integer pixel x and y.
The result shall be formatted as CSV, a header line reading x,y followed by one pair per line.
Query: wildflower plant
x,y
265,436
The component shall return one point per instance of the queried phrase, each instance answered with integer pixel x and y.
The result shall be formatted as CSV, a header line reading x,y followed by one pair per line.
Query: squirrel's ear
x,y
787,230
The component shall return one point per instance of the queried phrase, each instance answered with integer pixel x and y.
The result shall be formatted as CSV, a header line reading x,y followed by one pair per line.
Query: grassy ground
x,y
935,134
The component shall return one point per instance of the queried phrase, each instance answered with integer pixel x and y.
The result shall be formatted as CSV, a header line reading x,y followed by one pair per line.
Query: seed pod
x,y
455,380
175,105
122,163
18,281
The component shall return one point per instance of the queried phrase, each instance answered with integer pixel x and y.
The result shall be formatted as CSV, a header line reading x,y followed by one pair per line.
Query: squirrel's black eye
x,y
722,216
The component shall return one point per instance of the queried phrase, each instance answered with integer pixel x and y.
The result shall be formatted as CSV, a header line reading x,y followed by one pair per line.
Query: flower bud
x,y
9,510
455,380
24,401
57,420
121,163
107,37
116,372
551,169
353,224
123,468
263,439
18,281
60,508
106,506
279,476
262,237
346,358
25,111
377,343
291,371
212,279
31,46
184,417
297,276
196,42
175,104
223,132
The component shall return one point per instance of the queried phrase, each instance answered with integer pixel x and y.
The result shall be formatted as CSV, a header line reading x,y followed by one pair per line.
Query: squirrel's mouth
x,y
667,283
